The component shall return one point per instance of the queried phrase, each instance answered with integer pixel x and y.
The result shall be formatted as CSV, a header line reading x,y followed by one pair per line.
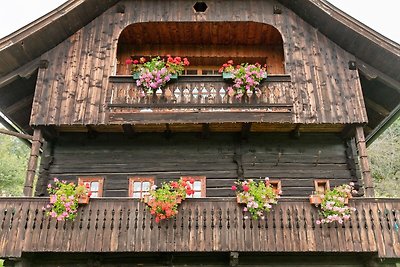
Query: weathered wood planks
x,y
202,225
297,162
74,88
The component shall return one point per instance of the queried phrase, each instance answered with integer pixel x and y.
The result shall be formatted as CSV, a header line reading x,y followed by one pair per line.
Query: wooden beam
x,y
375,106
16,134
364,163
129,129
32,163
246,126
205,133
234,259
372,73
296,132
25,72
348,131
385,123
20,104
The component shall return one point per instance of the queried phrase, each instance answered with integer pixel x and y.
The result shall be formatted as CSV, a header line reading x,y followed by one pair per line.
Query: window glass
x,y
140,186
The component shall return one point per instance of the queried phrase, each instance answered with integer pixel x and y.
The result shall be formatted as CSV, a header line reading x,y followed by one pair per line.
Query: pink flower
x,y
318,222
49,186
53,199
55,180
234,188
246,188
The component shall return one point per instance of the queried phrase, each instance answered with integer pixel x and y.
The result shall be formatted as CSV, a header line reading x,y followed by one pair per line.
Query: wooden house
x,y
333,86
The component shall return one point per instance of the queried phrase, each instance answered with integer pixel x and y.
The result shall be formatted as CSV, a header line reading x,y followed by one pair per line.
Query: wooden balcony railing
x,y
199,94
211,224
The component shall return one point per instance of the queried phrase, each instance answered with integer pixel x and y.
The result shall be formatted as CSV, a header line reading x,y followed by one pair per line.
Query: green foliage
x,y
258,196
384,155
64,199
13,160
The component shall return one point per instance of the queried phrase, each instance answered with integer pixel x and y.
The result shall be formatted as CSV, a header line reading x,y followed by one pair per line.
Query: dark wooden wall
x,y
222,158
73,89
193,259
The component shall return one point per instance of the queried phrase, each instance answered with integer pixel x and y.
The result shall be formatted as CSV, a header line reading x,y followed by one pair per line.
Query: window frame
x,y
99,179
203,189
319,183
276,185
141,179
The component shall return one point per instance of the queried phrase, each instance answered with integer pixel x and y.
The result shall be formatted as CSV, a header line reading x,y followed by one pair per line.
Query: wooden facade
x,y
73,89
304,126
221,158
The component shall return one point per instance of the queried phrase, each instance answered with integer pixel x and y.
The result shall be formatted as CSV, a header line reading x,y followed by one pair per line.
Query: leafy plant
x,y
246,77
64,199
334,205
163,201
258,196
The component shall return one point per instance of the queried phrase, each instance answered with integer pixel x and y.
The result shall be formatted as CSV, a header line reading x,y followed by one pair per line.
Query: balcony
x,y
199,99
212,224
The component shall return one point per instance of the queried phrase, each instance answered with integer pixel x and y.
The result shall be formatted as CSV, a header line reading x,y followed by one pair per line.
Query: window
x,y
321,185
95,185
140,186
199,186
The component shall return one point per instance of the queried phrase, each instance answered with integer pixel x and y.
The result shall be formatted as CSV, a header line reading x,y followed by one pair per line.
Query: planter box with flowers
x,y
163,201
246,77
333,204
257,196
155,73
64,199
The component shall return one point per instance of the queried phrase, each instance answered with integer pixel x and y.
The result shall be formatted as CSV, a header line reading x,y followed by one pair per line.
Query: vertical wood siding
x,y
73,89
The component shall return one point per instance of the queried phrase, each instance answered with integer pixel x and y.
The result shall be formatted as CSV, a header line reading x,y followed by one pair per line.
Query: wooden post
x,y
32,163
364,163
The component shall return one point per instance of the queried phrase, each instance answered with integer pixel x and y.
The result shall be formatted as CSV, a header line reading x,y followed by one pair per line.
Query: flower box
x,y
136,75
227,75
239,200
174,76
315,199
84,199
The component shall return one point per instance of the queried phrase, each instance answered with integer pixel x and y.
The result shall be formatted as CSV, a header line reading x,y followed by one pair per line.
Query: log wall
x,y
222,158
73,89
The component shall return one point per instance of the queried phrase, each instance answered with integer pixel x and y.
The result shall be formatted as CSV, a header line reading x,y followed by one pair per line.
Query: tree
x,y
384,154
13,160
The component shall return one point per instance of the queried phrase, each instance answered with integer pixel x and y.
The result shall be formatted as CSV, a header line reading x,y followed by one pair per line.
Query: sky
x,y
382,16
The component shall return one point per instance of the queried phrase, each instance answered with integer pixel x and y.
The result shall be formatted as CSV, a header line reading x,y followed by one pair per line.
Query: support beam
x,y
205,130
234,259
32,163
16,134
246,126
129,129
364,163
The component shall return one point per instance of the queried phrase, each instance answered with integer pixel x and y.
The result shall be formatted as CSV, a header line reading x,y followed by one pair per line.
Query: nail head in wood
x,y
352,65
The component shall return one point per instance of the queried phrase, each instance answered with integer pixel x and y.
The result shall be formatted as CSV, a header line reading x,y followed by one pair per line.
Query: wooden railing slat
x,y
125,225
